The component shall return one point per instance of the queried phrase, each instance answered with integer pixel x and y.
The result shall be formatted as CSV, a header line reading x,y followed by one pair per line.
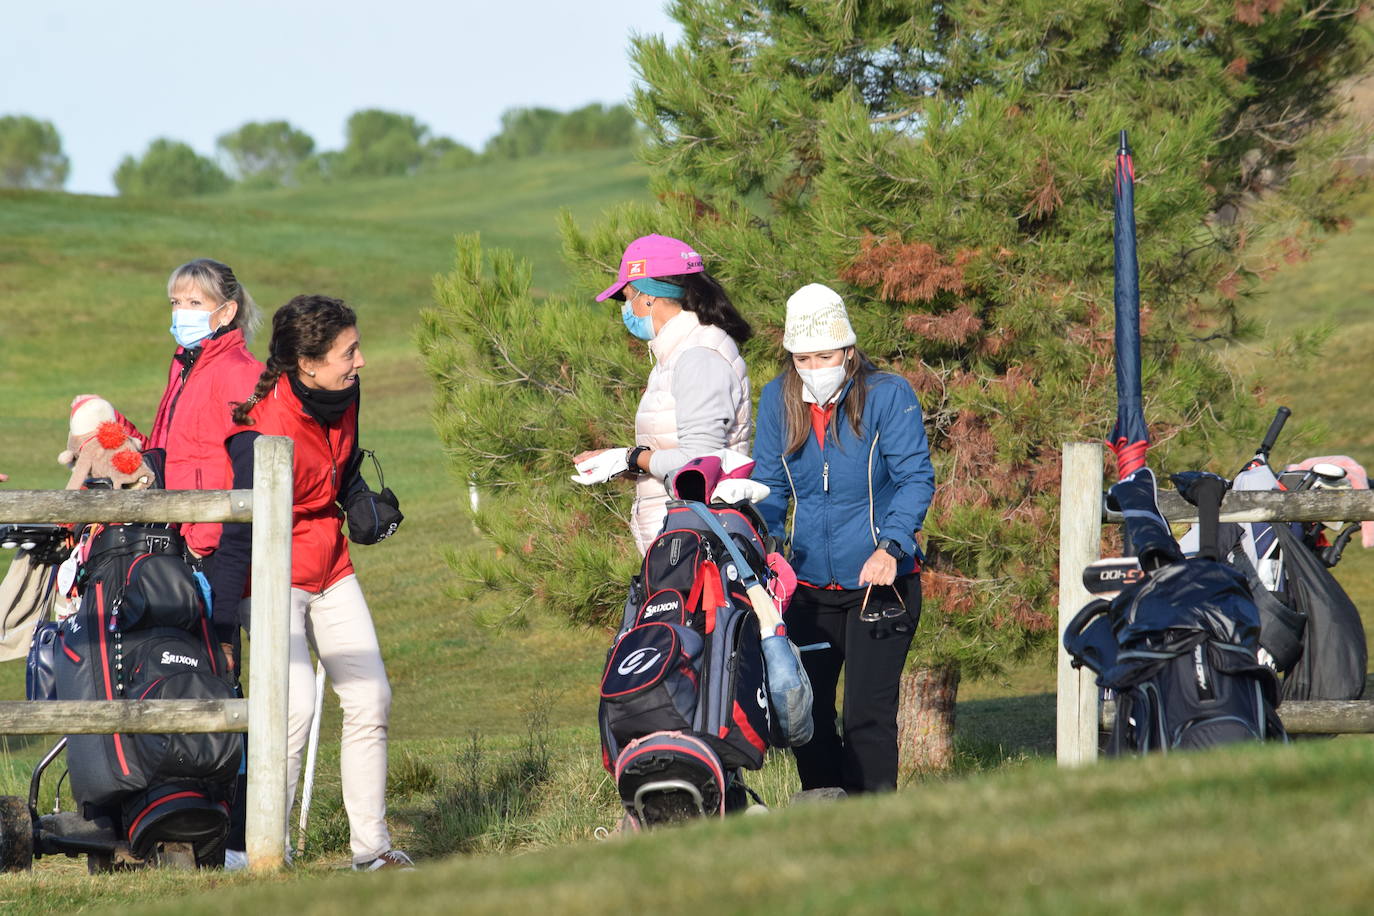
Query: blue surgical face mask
x,y
641,326
191,326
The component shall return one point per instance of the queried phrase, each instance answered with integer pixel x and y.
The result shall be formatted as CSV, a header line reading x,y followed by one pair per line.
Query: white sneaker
x,y
235,860
392,858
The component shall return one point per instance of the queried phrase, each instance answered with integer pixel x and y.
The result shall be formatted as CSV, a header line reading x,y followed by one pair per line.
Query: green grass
x,y
1247,829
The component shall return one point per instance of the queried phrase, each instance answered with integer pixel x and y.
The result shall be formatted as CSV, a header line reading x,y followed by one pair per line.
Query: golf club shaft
x,y
308,787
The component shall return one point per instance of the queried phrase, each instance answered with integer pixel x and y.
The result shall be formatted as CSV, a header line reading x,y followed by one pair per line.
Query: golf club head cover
x,y
1136,497
1206,491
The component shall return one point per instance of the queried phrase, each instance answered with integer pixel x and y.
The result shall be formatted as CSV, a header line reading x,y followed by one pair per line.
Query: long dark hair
x,y
705,297
304,328
798,416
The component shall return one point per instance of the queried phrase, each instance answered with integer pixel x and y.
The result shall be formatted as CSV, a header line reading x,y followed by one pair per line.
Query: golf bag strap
x,y
745,571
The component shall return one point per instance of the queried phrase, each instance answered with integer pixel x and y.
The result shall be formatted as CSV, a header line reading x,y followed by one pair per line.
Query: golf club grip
x,y
1210,493
1280,417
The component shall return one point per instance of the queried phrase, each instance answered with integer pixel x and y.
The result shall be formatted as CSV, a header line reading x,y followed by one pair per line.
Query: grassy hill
x,y
494,743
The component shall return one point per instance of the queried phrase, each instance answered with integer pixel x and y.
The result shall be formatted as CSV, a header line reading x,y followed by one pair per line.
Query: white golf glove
x,y
734,490
602,467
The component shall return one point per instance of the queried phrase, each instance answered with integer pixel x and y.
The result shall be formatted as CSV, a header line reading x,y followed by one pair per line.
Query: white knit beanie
x,y
816,320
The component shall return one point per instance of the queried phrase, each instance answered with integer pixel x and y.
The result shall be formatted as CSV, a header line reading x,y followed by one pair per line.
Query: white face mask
x,y
820,385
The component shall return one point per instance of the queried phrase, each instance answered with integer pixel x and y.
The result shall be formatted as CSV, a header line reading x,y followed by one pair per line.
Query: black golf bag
x,y
1178,648
685,699
1309,628
141,632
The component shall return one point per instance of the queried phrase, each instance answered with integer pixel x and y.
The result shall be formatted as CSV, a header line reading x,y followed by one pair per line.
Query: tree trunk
x,y
925,719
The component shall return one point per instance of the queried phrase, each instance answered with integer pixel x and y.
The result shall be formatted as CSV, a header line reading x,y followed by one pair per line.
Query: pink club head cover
x,y
783,585
696,479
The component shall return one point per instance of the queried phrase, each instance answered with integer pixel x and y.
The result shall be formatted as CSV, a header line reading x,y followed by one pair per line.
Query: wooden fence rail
x,y
263,715
1082,512
128,717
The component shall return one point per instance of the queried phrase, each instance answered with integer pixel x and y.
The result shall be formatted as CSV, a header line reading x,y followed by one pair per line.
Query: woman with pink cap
x,y
696,402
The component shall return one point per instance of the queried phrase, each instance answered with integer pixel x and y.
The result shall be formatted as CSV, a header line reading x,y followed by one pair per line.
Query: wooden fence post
x,y
1080,533
269,652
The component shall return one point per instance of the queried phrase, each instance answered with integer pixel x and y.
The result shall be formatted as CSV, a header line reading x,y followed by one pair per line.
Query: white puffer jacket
x,y
657,421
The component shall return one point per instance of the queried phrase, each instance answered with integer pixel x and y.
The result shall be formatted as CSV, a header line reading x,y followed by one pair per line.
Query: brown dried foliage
x,y
954,594
1252,12
1045,199
956,327
907,271
924,380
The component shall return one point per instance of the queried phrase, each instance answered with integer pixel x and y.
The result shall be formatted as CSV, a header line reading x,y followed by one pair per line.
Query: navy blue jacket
x,y
854,492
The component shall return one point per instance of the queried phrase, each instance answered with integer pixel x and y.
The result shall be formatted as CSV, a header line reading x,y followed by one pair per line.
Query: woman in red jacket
x,y
211,371
309,391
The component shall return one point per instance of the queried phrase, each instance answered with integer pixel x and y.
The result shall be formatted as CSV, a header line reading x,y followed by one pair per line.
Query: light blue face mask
x,y
191,326
641,326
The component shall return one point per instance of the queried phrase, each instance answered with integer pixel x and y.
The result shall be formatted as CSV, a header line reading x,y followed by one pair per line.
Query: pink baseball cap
x,y
653,256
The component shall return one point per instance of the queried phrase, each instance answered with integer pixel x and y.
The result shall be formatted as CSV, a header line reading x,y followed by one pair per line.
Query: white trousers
x,y
338,626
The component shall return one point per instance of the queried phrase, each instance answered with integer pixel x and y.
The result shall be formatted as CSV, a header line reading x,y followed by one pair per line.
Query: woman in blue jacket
x,y
844,446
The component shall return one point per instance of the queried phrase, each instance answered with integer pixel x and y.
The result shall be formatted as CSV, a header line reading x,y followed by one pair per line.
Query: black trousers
x,y
860,756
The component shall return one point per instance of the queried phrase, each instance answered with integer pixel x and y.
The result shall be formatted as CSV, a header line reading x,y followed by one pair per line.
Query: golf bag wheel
x,y
16,834
99,863
174,855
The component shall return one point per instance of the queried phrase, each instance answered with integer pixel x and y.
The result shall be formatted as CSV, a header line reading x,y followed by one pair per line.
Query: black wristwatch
x,y
893,549
632,458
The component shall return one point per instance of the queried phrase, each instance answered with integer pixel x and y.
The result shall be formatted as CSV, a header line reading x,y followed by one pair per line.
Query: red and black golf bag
x,y
685,696
141,632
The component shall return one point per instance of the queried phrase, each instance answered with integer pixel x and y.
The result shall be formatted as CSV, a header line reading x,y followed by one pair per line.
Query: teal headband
x,y
657,288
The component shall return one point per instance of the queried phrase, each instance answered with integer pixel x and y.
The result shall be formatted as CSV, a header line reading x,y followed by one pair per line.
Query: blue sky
x,y
114,76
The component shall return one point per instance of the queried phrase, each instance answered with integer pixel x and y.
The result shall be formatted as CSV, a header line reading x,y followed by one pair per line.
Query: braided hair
x,y
217,281
304,328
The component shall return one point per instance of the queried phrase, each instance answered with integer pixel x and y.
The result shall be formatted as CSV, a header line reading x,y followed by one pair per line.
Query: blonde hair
x,y
217,281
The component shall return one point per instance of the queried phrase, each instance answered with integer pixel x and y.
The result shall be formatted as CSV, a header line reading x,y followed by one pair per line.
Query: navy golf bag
x,y
1310,630
1178,648
685,699
141,632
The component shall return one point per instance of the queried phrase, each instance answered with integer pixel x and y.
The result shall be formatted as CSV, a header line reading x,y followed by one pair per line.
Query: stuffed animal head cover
x,y
98,446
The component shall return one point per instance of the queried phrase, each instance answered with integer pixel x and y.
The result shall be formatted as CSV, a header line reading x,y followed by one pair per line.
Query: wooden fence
x,y
1082,512
263,715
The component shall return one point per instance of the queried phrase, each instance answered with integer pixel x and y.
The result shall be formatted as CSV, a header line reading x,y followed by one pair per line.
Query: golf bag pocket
x,y
650,683
1201,696
212,757
673,561
40,681
146,664
664,606
737,719
160,591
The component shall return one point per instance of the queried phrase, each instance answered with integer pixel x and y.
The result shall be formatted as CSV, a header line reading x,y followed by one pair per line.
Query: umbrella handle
x,y
1275,427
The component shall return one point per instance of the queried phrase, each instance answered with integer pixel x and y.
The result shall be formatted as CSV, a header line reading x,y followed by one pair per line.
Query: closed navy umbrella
x,y
1129,438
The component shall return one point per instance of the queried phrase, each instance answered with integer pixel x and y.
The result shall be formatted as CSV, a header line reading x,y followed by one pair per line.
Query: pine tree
x,y
947,167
